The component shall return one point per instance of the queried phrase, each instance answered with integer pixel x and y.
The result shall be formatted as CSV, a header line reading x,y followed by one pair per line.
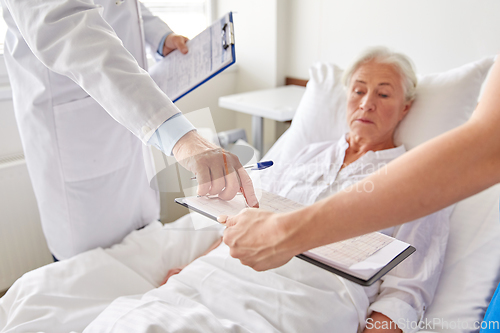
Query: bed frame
x,y
295,81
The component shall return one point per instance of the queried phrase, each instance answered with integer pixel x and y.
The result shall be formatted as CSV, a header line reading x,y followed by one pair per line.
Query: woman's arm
x,y
434,175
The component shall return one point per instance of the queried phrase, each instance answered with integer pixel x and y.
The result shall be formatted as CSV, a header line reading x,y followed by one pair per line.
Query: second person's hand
x,y
258,238
218,172
174,41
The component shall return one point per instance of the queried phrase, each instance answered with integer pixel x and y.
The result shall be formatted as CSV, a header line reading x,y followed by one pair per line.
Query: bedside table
x,y
278,104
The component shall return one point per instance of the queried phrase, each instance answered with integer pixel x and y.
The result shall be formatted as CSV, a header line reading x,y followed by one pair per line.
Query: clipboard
x,y
182,202
375,276
365,283
210,53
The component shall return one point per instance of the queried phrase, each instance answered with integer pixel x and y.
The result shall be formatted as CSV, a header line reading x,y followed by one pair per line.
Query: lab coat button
x,y
119,2
145,130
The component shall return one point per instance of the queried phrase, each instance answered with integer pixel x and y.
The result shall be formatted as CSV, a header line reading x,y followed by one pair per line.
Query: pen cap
x,y
265,164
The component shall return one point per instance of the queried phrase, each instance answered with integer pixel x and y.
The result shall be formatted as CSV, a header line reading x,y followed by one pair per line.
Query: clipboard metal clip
x,y
227,33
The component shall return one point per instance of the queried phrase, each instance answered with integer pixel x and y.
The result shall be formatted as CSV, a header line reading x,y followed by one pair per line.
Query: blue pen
x,y
257,166
260,165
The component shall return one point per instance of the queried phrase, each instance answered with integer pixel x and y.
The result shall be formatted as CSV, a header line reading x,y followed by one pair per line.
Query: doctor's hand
x,y
218,172
174,41
258,238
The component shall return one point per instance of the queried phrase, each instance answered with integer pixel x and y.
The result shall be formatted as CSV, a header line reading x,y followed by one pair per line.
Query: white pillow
x,y
472,264
444,101
320,115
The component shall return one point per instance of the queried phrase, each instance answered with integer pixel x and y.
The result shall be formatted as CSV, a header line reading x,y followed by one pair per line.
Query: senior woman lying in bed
x,y
216,293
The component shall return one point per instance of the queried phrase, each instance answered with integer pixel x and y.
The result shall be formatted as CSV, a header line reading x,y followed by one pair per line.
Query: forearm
x,y
445,170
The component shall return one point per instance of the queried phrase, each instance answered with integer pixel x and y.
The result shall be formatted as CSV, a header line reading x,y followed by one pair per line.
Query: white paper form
x,y
361,256
353,250
178,74
215,206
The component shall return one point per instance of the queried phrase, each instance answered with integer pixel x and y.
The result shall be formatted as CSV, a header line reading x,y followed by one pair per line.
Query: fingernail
x,y
222,218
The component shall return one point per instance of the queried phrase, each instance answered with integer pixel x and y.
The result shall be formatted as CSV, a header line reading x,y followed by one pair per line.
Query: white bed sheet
x,y
66,296
213,294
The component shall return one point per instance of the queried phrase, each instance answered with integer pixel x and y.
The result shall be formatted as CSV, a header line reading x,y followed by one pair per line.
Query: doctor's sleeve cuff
x,y
167,135
400,312
162,41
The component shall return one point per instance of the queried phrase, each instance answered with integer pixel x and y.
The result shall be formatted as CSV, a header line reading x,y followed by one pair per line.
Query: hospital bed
x,y
472,262
444,100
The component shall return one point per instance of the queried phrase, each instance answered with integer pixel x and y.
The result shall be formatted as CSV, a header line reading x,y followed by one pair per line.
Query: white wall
x,y
437,35
255,27
258,25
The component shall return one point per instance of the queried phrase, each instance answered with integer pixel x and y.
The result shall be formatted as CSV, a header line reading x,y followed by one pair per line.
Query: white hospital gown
x,y
405,292
314,173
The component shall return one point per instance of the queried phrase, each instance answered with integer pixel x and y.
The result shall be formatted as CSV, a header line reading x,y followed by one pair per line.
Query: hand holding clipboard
x,y
210,52
376,255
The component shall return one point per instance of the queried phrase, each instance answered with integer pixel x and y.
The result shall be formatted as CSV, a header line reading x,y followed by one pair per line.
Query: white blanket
x,y
215,293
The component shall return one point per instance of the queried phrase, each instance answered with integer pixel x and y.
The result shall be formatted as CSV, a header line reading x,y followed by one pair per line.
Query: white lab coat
x,y
77,70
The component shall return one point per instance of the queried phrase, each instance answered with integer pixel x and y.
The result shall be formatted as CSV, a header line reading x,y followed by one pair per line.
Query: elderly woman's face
x,y
375,102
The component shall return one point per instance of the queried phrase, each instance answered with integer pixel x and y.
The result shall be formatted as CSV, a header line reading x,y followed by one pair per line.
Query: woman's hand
x,y
177,270
380,323
172,272
257,238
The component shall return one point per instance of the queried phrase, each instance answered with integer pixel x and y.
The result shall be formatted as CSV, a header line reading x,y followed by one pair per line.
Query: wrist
x,y
191,144
183,141
293,235
168,46
161,45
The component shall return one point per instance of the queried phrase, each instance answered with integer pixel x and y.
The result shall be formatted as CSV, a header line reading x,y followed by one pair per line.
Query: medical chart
x,y
354,250
361,257
215,206
178,74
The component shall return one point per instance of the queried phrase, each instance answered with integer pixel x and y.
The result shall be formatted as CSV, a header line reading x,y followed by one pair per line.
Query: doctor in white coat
x,y
85,107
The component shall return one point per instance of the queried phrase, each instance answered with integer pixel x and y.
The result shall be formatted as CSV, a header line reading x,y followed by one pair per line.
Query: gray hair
x,y
383,55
